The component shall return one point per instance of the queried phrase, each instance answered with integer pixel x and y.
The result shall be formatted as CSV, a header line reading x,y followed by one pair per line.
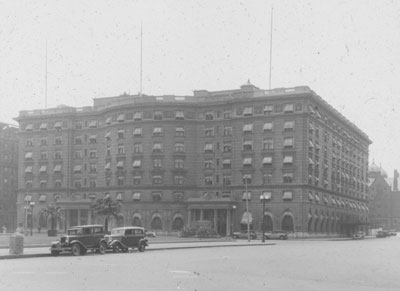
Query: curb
x,y
22,256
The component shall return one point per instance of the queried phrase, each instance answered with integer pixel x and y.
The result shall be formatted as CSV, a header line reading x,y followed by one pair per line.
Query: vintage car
x,y
80,239
276,234
382,234
358,235
124,238
243,234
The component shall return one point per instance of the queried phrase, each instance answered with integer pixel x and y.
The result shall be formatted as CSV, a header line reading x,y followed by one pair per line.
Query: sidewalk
x,y
44,251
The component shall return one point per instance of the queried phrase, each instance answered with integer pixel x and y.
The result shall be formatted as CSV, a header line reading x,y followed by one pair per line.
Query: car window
x,y
97,230
128,232
86,231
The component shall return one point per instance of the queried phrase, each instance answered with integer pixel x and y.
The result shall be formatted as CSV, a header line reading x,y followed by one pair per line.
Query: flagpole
x,y
270,50
141,57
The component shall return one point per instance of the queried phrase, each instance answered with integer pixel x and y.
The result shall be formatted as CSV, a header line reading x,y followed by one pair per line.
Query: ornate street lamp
x,y
29,209
263,198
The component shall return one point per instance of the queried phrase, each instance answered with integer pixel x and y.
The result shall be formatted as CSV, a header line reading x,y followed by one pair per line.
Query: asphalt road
x,y
372,264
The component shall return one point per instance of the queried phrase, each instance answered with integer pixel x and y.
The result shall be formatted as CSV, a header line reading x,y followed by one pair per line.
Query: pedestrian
x,y
4,228
39,228
20,228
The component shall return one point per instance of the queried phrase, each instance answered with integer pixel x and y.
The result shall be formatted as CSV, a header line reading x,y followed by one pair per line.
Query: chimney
x,y
395,182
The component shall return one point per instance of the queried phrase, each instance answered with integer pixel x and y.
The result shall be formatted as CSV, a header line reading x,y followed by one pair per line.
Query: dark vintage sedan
x,y
122,239
80,239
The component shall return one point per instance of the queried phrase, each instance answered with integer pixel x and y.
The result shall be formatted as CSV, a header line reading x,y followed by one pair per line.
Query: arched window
x,y
287,223
269,226
177,224
136,221
156,223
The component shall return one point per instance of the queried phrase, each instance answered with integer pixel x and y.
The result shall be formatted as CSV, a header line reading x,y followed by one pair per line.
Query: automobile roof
x,y
85,226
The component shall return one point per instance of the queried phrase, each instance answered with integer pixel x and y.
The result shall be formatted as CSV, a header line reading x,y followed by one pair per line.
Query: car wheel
x,y
117,248
282,237
142,247
83,251
102,248
76,249
55,253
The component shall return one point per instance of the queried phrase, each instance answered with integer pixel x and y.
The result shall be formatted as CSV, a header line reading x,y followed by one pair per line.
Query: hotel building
x,y
177,161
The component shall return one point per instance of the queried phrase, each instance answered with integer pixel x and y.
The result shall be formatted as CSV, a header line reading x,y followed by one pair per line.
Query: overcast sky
x,y
346,51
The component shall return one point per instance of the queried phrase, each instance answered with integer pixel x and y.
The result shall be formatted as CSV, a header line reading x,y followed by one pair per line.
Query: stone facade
x,y
206,158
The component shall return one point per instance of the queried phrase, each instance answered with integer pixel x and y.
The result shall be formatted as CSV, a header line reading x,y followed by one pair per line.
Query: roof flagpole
x,y
141,58
270,50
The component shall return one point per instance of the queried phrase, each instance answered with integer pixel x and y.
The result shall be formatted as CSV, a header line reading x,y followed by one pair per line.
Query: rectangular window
x,y
137,148
288,108
157,131
247,178
178,164
227,148
137,132
227,180
267,178
209,164
248,111
121,149
137,180
136,196
121,117
92,139
158,115
137,164
209,116
226,164
228,131
267,161
179,131
58,140
248,128
178,180
209,132
287,195
157,180
208,148
288,160
92,168
157,163
288,142
268,144
137,116
288,126
208,180
268,109
43,141
92,154
227,114
287,177
268,126
78,140
179,148
121,134
179,115
157,147
248,145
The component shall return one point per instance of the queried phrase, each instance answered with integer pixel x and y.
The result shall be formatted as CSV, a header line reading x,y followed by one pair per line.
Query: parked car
x,y
392,232
149,233
243,234
382,234
358,235
80,239
122,239
276,234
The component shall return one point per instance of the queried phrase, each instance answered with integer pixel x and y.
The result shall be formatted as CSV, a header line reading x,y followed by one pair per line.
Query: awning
x,y
137,163
77,168
157,130
28,169
288,159
208,147
310,196
108,120
42,198
288,108
246,196
288,142
310,161
137,131
310,143
136,196
28,155
58,124
92,137
267,126
107,166
248,111
287,195
288,125
121,118
120,164
317,197
180,129
247,161
268,108
29,127
43,126
179,115
108,135
120,196
137,116
43,168
93,123
267,160
248,127
28,198
247,218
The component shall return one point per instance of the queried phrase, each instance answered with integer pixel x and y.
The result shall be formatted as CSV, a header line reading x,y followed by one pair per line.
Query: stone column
x,y
189,217
228,222
201,214
79,216
89,216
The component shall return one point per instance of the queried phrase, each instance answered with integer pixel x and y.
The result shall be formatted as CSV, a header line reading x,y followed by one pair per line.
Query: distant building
x,y
8,176
201,159
384,197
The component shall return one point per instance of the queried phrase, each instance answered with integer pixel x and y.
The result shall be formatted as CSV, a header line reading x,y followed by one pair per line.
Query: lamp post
x,y
29,210
263,198
232,216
